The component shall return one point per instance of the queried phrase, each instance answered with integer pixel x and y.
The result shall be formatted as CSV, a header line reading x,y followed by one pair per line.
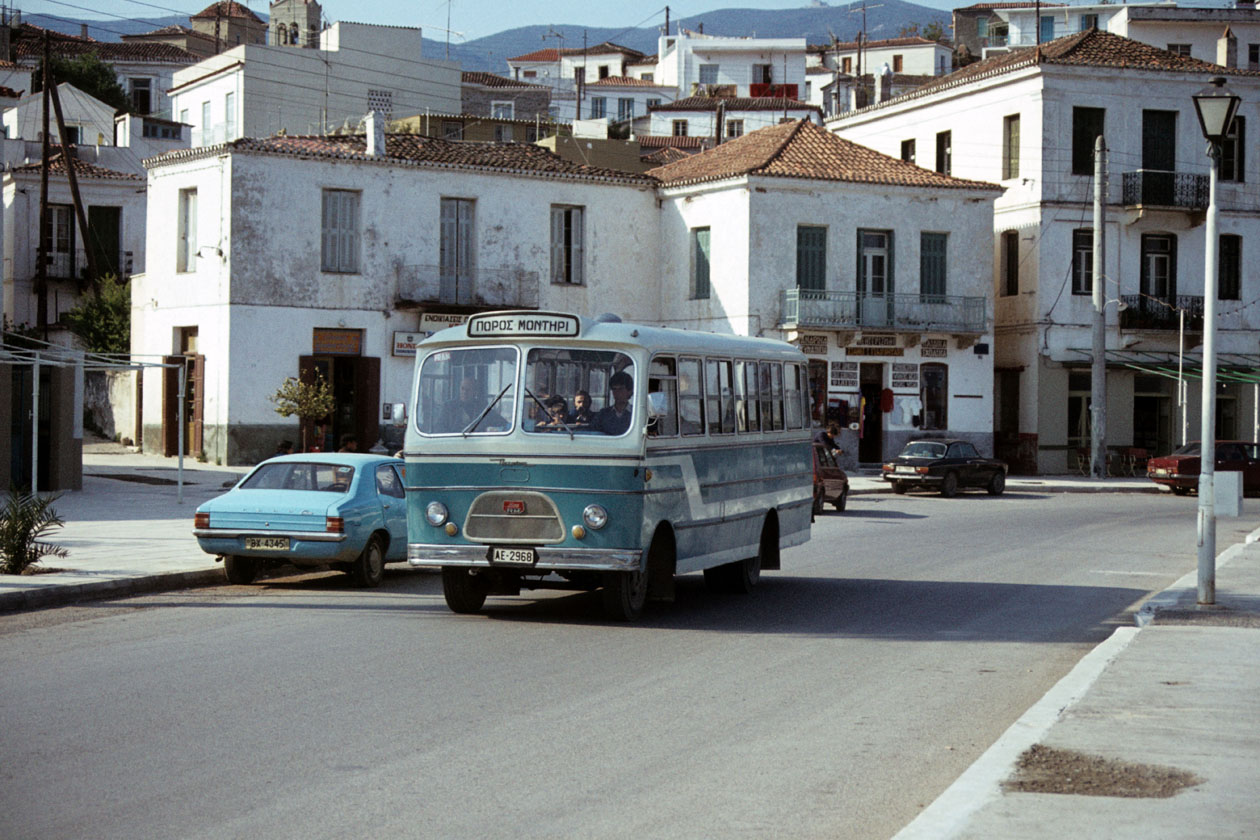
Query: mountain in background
x,y
816,23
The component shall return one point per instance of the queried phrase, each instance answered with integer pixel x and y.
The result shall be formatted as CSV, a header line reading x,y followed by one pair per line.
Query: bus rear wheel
x,y
464,591
742,576
625,594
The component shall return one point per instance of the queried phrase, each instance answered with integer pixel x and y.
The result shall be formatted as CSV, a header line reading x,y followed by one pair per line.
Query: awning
x,y
1230,367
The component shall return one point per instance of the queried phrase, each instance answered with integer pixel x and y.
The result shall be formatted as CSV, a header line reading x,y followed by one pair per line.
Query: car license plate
x,y
1160,471
904,471
514,556
267,543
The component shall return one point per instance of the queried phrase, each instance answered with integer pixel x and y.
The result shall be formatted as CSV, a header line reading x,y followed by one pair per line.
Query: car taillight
x,y
921,470
201,520
887,467
335,525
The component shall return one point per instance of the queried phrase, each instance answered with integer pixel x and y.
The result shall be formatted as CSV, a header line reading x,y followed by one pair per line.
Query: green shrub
x,y
25,520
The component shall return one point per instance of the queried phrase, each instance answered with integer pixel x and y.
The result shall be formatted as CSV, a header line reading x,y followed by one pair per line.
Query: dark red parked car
x,y
1180,470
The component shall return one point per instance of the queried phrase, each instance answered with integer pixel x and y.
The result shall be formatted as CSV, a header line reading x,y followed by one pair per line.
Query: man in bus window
x,y
582,416
458,415
615,419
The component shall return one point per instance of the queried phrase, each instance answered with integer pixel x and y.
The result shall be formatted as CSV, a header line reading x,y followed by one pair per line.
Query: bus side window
x,y
663,378
720,400
766,394
776,391
690,397
793,404
748,410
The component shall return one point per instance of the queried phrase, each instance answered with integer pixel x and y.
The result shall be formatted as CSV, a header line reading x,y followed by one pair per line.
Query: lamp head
x,y
1216,106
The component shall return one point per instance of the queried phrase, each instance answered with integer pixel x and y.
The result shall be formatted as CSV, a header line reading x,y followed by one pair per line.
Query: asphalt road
x,y
837,701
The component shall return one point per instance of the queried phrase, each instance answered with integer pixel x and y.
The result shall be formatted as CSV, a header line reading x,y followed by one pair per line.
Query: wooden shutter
x,y
577,229
811,258
170,405
703,254
557,244
328,232
367,409
194,386
932,264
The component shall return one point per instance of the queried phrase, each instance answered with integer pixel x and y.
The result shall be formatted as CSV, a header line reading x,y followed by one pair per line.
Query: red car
x,y
1179,471
831,484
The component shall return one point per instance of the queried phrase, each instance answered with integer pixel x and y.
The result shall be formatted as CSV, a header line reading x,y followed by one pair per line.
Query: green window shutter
x,y
932,264
557,244
811,258
701,262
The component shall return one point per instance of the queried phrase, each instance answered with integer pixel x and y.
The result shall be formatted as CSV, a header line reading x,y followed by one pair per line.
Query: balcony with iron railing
x,y
1149,313
1157,188
490,288
908,312
72,265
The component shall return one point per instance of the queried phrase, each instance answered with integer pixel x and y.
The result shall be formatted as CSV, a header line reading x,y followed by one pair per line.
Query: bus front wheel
x,y
625,594
464,591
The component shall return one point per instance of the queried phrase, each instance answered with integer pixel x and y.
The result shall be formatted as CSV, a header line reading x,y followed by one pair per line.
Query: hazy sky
x,y
472,18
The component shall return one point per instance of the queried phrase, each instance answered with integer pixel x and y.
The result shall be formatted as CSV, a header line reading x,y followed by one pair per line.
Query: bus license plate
x,y
514,556
267,543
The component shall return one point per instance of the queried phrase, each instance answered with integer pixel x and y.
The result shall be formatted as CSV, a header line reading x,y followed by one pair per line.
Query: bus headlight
x,y
436,514
595,517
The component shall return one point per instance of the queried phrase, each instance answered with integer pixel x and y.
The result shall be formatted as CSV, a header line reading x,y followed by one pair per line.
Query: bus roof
x,y
533,325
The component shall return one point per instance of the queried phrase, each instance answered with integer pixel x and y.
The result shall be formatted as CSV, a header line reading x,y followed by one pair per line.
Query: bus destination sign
x,y
503,324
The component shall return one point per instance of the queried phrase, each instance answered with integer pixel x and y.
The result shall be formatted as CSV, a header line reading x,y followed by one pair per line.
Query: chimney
x,y
375,131
883,83
1227,49
83,29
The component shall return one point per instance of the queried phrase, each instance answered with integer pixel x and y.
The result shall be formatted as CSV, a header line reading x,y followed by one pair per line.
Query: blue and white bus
x,y
691,453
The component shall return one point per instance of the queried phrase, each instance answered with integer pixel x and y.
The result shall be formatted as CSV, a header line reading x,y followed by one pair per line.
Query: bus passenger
x,y
615,419
458,415
582,416
557,411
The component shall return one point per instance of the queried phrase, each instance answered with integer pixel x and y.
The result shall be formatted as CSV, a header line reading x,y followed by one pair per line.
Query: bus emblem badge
x,y
514,508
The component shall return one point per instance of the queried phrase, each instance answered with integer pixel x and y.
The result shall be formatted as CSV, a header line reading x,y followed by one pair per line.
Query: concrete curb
x,y
1046,487
72,593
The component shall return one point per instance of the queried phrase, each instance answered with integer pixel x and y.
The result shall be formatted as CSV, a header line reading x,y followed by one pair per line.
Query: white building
x,y
256,90
88,120
875,268
695,63
912,56
268,258
698,116
568,70
1028,120
620,99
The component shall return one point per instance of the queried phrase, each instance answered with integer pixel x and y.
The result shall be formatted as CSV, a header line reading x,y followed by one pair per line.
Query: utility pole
x,y
45,237
1098,389
79,212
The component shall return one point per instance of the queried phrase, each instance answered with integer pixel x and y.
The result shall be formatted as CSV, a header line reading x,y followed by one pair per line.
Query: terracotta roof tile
x,y
553,54
29,47
474,77
800,149
624,81
227,9
914,41
416,149
173,30
736,103
550,54
658,141
83,169
665,155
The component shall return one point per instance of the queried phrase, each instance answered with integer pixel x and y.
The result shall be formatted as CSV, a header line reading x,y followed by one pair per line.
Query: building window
x,y
1159,266
898,62
455,249
530,74
141,95
503,133
60,244
647,77
700,253
229,115
1180,49
875,274
907,151
944,152
680,128
846,65
763,74
381,101
708,74
599,107
1233,146
1089,21
811,258
339,251
982,27
207,131
186,249
1229,268
1010,147
1082,261
934,394
503,110
603,71
567,236
734,128
452,130
1087,127
625,108
932,263
653,103
1045,31
1010,263
1253,56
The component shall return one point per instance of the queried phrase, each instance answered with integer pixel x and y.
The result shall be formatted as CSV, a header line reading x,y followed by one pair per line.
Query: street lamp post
x,y
1216,106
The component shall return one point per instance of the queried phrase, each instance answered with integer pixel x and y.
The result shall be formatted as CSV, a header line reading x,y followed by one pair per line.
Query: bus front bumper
x,y
549,559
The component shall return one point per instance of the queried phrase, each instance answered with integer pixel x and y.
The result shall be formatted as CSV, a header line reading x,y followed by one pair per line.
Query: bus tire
x,y
464,592
742,576
624,594
240,570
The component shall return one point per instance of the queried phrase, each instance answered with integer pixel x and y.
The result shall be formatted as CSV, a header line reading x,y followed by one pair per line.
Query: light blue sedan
x,y
343,510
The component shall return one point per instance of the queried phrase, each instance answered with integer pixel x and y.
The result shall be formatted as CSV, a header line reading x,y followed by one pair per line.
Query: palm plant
x,y
26,519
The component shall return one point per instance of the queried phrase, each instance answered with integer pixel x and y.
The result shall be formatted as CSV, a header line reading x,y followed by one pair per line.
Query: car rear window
x,y
300,475
924,450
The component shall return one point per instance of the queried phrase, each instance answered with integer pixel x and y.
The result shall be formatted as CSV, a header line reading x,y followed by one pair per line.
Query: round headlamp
x,y
435,513
595,517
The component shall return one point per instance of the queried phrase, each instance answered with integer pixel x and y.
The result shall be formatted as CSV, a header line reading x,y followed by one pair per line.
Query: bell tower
x,y
295,23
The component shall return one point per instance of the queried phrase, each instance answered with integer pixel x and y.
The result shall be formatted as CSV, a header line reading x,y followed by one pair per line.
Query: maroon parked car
x,y
1179,471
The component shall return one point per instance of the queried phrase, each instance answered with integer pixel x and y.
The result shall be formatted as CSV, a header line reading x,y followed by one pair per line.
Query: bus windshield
x,y
467,392
578,390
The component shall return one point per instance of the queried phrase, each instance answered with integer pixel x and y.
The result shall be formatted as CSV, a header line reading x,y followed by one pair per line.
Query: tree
x,y
307,400
89,74
102,319
932,31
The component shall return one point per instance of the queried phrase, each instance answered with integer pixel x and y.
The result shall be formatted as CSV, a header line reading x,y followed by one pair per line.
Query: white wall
x,y
681,57
93,118
702,123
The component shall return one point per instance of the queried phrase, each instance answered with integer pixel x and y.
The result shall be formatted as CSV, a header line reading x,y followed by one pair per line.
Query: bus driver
x,y
615,419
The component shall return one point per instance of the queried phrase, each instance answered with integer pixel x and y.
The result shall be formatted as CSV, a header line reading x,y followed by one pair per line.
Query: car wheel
x,y
997,484
1181,491
949,485
464,591
742,576
240,570
900,488
624,595
843,500
369,568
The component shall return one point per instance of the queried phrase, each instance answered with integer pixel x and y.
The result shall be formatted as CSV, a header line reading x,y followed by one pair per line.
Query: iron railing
x,y
1146,312
1157,188
493,287
913,312
72,265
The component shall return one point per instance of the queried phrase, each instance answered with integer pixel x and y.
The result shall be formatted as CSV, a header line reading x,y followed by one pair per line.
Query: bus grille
x,y
489,522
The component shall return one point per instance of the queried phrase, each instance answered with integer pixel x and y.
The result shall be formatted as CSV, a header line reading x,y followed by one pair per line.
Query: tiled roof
x,y
29,47
736,103
553,54
624,81
665,155
800,149
520,158
82,169
915,41
473,77
984,7
168,31
227,9
550,54
660,141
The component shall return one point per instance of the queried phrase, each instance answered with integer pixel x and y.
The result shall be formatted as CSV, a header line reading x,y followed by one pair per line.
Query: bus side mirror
x,y
658,405
398,415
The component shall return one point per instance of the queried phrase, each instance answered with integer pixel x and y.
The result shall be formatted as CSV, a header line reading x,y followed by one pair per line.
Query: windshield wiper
x,y
530,394
482,416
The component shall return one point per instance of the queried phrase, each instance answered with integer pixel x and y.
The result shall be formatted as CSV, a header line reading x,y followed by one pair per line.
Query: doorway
x,y
1152,414
355,382
871,442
